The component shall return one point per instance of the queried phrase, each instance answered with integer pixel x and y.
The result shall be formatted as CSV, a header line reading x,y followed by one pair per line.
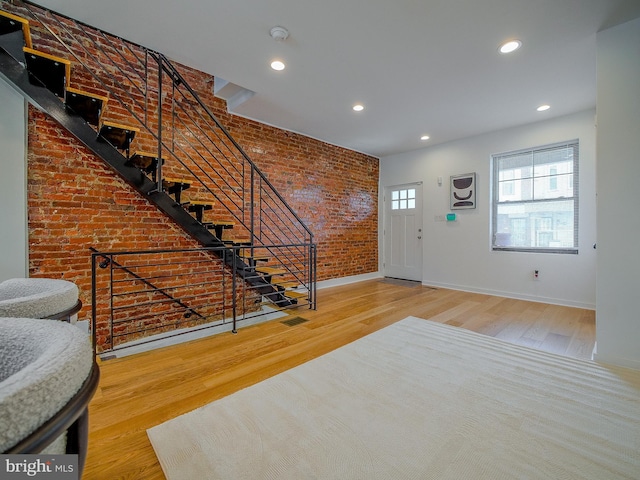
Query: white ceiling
x,y
418,66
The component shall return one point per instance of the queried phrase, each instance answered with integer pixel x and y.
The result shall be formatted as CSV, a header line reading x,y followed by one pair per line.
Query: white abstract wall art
x,y
463,191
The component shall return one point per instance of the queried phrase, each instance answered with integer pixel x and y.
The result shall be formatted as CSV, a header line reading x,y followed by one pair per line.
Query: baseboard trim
x,y
337,282
517,296
617,361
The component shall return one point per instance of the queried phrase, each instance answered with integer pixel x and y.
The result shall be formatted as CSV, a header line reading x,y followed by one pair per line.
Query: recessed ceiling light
x,y
542,108
358,107
510,46
424,137
277,65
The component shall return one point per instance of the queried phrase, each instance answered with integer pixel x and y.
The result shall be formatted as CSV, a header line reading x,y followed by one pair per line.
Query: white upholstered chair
x,y
48,375
39,298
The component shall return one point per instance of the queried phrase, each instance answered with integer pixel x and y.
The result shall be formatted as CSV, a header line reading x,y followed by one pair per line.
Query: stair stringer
x,y
16,74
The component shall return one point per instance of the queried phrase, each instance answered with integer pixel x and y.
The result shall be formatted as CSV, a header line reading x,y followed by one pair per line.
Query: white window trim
x,y
495,196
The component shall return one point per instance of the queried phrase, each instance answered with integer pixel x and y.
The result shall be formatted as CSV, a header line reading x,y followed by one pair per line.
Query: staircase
x,y
157,134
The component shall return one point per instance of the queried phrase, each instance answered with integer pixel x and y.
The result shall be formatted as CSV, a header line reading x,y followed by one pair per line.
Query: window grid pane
x,y
535,204
403,199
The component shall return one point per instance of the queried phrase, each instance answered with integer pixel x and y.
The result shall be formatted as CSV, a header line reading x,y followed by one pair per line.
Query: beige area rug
x,y
417,400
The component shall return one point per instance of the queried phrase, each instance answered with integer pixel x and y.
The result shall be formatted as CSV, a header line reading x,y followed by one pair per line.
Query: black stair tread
x,y
117,134
198,207
10,23
219,226
175,186
143,162
256,258
236,242
88,105
147,162
224,225
51,71
206,205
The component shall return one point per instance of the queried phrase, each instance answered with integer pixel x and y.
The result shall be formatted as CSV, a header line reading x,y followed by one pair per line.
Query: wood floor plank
x,y
146,389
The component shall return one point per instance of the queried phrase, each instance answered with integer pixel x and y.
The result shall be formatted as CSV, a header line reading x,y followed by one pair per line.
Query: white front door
x,y
403,231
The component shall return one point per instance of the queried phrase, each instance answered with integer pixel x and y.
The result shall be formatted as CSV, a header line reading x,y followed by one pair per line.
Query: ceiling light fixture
x,y
543,108
279,34
358,107
510,46
424,137
277,65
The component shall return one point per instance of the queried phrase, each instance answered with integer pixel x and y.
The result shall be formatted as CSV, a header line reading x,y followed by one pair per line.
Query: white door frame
x,y
408,262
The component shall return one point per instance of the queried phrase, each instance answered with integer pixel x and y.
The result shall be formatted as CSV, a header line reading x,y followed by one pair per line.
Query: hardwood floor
x,y
146,389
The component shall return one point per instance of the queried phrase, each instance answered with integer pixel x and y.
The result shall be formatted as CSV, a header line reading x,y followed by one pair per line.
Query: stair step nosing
x,y
48,56
120,126
84,93
271,270
294,294
177,180
145,154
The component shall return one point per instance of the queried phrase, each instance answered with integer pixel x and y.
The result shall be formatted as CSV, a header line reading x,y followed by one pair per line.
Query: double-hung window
x,y
535,199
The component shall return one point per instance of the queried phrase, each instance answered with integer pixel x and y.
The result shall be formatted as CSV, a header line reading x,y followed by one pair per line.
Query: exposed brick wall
x,y
77,202
334,190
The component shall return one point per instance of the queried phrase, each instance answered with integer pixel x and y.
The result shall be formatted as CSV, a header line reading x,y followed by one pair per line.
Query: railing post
x,y
94,296
146,87
234,303
314,279
252,207
159,186
111,299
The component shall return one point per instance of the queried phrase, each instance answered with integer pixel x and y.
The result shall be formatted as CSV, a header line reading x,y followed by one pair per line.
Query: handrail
x,y
166,63
108,259
131,314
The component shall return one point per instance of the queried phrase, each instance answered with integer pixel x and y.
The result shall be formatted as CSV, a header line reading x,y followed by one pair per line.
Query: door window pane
x,y
403,199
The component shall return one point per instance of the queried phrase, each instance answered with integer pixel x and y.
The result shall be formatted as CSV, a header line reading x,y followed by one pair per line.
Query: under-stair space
x,y
137,112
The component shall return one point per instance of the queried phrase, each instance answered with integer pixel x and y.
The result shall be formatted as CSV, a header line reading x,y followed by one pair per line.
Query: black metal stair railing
x,y
146,89
197,141
108,260
151,295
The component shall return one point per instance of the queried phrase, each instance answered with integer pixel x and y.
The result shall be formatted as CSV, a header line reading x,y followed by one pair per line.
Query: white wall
x,y
458,255
13,184
618,108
